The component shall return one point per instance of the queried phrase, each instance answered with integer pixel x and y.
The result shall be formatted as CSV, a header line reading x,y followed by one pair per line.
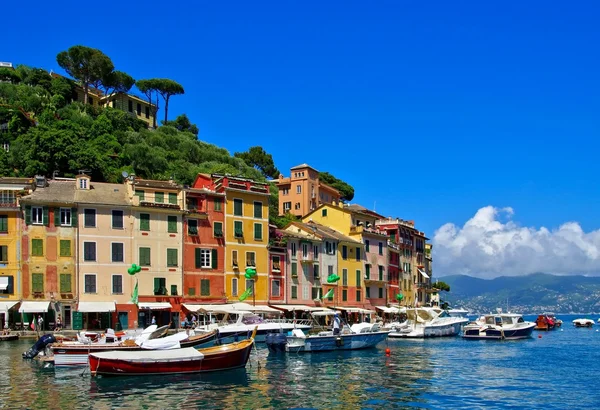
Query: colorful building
x,y
393,288
11,190
246,236
303,191
204,243
278,257
158,207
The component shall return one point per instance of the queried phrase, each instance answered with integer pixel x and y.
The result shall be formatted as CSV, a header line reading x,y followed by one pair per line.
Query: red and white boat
x,y
175,361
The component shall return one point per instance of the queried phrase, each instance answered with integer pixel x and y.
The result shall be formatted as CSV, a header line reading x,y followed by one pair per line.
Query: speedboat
x,y
358,336
500,326
547,321
583,323
428,322
238,325
458,312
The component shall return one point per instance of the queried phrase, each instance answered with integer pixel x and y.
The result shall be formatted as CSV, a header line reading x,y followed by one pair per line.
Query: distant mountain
x,y
529,294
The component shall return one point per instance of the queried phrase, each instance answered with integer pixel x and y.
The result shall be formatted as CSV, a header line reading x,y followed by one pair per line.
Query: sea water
x,y
551,370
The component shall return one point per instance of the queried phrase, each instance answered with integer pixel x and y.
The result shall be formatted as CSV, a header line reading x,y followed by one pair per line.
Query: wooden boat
x,y
545,322
9,337
175,361
76,354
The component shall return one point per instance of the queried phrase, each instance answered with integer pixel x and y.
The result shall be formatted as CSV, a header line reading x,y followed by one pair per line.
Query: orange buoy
x,y
388,351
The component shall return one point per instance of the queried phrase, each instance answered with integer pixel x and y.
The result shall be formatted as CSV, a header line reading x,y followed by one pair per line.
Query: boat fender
x,y
339,341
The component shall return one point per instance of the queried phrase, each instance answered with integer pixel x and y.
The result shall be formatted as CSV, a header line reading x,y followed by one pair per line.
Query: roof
x,y
323,185
305,165
361,209
203,191
16,181
66,192
323,231
152,183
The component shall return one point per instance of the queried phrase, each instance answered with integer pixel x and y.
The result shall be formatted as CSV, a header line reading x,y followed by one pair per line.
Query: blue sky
x,y
431,110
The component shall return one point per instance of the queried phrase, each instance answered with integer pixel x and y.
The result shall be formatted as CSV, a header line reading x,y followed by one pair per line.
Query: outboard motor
x,y
276,342
39,346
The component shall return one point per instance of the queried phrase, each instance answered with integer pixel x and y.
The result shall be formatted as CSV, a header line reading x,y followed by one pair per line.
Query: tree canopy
x,y
443,286
346,190
261,160
167,88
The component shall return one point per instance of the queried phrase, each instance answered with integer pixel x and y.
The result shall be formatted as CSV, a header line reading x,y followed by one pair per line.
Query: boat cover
x,y
164,343
141,356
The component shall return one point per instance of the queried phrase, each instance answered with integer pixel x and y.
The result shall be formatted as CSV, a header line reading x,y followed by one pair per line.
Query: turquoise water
x,y
557,371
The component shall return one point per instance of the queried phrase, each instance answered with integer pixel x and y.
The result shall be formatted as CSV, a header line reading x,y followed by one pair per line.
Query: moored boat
x,y
583,323
500,326
425,322
546,322
175,361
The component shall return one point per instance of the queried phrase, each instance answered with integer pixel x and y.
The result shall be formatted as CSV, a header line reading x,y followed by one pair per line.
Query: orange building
x,y
303,192
204,243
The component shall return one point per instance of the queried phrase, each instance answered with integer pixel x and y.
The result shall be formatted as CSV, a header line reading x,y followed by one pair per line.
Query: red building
x,y
204,244
277,263
393,272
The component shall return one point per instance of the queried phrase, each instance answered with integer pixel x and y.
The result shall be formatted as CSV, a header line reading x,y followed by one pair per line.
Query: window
x,y
275,288
381,272
294,292
172,259
287,206
294,269
380,293
218,229
160,286
65,216
304,250
305,292
358,254
324,212
144,256
344,252
298,189
293,250
65,283
192,291
130,106
258,232
37,215
37,282
344,295
89,220
250,284
117,284
159,197
367,271
234,259
65,247
89,251
381,248
89,284
37,247
144,222
316,252
117,219
358,295
4,254
330,270
317,293
250,259
192,227
117,253
206,258
330,248
173,289
234,287
358,277
316,271
147,112
139,109
140,194
172,224
3,223
258,212
276,264
172,198
237,207
238,232
204,287
367,245
344,277
218,204
368,293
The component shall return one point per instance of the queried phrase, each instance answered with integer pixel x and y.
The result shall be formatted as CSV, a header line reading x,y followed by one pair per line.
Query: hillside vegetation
x,y
50,134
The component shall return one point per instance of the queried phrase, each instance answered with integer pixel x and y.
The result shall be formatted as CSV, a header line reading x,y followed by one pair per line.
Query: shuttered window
x,y
89,220
37,282
171,224
258,232
204,287
144,256
172,198
89,283
65,282
4,253
172,257
117,219
237,207
159,197
218,229
258,210
89,251
144,222
65,247
140,194
117,252
357,277
294,292
3,223
117,284
37,247
160,286
238,230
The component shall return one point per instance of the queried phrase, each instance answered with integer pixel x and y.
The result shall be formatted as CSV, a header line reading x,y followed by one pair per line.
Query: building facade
x,y
278,258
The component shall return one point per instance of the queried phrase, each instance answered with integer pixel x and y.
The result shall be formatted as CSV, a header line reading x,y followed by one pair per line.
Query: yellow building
x,y
10,236
246,236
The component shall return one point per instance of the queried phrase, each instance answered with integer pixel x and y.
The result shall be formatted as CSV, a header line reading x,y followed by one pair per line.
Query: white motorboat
x,y
499,326
583,323
428,322
458,312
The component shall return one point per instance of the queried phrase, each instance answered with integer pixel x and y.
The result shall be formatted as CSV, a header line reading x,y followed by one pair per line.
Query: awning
x,y
302,308
3,282
6,306
230,308
34,307
354,309
423,273
392,310
254,308
96,307
154,305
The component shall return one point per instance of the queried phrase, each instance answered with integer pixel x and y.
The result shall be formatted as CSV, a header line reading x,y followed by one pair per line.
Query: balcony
x,y
147,204
9,205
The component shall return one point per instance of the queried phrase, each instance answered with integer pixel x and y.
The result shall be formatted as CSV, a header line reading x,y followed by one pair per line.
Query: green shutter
x,y
294,292
172,198
258,209
56,216
144,256
144,222
45,215
357,278
198,257
205,287
294,269
368,271
238,229
258,232
156,285
28,215
214,259
4,253
192,291
173,290
172,257
140,194
65,247
3,223
37,281
237,207
159,197
218,229
73,216
37,247
172,224
65,282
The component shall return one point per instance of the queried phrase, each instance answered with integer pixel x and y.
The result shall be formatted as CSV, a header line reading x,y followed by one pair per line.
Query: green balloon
x,y
399,296
131,271
251,271
333,278
138,268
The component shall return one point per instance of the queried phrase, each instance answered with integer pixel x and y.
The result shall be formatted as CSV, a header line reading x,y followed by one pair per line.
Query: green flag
x,y
134,296
328,295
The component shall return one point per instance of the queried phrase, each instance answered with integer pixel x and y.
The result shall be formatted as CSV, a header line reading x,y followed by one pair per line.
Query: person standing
x,y
336,324
58,325
40,322
154,320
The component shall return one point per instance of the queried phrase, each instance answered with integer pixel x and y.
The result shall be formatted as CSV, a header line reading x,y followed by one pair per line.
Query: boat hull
x,y
427,331
236,334
495,333
340,342
216,358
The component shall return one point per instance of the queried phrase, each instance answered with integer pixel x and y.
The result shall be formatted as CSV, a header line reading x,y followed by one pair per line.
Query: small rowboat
x,y
176,361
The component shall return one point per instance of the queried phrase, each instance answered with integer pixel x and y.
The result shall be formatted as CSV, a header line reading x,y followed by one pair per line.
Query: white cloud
x,y
488,247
